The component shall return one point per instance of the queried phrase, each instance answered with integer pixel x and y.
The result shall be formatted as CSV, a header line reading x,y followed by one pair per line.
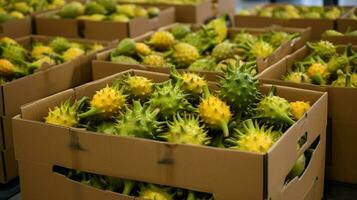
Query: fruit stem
x,y
191,196
128,187
288,120
206,92
224,127
272,91
348,80
89,113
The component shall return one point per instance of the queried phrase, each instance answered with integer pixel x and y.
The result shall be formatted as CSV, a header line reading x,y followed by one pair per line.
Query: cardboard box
x,y
103,67
46,81
8,166
16,28
342,152
103,30
344,23
223,172
318,26
341,39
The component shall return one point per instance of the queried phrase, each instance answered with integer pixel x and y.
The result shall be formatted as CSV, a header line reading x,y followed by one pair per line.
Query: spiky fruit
x,y
40,51
299,108
71,10
119,18
152,192
92,8
63,115
17,15
214,112
107,128
180,31
186,130
72,53
318,73
203,64
344,80
219,27
223,51
185,54
106,102
153,12
169,98
154,60
60,44
138,86
239,88
162,40
126,9
244,37
125,47
193,83
254,138
140,12
6,67
324,49
336,63
332,33
43,60
124,60
277,38
296,77
261,49
13,53
142,49
138,122
274,110
8,41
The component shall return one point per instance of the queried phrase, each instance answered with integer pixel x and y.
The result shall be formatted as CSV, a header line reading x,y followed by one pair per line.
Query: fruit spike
x,y
106,102
254,138
324,49
140,121
214,112
138,86
299,108
274,110
191,82
186,130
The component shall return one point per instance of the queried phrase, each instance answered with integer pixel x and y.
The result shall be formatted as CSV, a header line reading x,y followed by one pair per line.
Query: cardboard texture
x,y
109,30
225,173
102,67
318,26
344,23
341,151
16,28
8,166
341,39
46,81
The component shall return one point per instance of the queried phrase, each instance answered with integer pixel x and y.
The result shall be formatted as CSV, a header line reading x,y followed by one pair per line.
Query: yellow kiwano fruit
x,y
40,51
72,53
299,108
63,115
6,67
142,49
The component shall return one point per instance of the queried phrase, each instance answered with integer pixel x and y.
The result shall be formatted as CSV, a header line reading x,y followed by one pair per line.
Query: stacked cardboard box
x,y
341,152
227,174
102,30
16,28
103,67
44,82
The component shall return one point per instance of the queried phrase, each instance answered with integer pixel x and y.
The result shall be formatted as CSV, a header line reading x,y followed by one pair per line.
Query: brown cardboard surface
x,y
184,166
8,166
344,23
226,7
54,186
342,39
110,30
102,67
16,28
341,111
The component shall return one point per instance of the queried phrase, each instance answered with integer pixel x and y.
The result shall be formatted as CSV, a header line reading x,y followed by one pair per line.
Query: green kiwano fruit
x,y
140,121
203,64
92,8
186,130
298,169
180,31
124,60
60,44
223,51
324,49
109,5
153,192
126,47
169,98
71,10
274,110
239,88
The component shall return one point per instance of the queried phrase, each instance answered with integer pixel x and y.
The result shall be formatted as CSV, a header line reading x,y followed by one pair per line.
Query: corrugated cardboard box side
x,y
16,28
223,172
44,82
102,67
341,162
341,39
108,30
318,26
344,23
8,166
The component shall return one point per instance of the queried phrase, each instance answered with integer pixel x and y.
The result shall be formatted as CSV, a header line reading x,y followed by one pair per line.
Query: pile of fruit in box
x,y
287,11
183,110
326,66
18,9
175,2
105,10
328,33
134,188
206,49
17,61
